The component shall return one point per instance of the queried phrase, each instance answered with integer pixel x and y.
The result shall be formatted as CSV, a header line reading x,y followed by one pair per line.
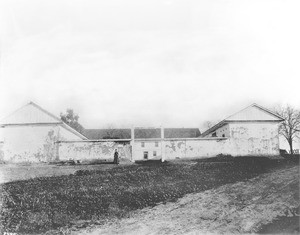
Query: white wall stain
x,y
91,150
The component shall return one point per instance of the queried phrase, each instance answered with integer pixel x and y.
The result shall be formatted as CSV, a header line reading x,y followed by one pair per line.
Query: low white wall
x,y
180,148
35,143
1,152
195,148
246,140
92,150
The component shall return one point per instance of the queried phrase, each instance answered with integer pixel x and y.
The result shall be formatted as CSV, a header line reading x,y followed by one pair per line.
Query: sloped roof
x,y
182,132
29,114
168,133
147,133
94,134
253,112
141,133
32,113
67,127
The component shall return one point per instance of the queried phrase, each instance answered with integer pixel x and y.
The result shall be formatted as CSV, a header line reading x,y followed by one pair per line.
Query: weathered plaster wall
x,y
257,138
38,143
1,151
65,134
29,143
180,148
224,130
91,150
244,139
149,146
192,148
220,131
33,143
1,144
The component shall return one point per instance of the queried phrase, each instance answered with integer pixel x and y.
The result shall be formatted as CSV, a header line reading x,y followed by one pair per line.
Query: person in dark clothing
x,y
116,157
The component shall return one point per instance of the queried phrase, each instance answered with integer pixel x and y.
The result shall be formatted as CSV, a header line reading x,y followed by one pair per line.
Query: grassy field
x,y
96,196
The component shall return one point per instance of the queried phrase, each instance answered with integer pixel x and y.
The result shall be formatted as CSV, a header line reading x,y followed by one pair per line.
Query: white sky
x,y
149,63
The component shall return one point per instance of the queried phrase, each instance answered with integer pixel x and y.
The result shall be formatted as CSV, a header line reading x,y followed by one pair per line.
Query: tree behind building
x,y
71,119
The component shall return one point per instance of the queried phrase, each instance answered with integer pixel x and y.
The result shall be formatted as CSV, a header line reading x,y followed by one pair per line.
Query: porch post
x,y
162,136
132,144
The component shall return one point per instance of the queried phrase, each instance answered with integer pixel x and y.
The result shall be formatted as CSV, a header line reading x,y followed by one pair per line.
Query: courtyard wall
x,y
93,150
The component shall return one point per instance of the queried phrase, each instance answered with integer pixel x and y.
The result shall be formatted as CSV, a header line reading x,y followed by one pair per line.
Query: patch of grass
x,y
42,204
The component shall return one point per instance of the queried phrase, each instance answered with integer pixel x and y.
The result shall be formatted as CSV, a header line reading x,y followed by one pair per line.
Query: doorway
x,y
146,155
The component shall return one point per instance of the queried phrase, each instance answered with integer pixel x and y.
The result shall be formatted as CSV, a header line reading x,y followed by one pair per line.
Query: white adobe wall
x,y
37,143
244,139
29,143
181,148
91,150
253,138
223,130
33,143
195,148
220,131
65,134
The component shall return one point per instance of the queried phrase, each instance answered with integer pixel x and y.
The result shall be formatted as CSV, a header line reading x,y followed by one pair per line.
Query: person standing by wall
x,y
116,157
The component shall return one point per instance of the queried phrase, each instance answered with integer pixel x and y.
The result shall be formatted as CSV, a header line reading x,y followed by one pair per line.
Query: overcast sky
x,y
149,63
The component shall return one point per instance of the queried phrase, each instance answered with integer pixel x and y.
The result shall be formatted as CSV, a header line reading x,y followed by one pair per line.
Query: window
x,y
154,153
223,135
143,144
214,134
146,155
156,144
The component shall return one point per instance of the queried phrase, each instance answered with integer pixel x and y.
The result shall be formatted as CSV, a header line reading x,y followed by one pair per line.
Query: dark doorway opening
x,y
146,155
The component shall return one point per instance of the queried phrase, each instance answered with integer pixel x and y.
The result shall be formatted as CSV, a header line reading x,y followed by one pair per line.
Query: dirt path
x,y
233,208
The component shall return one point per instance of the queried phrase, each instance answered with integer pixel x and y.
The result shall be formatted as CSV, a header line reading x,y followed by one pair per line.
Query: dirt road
x,y
233,208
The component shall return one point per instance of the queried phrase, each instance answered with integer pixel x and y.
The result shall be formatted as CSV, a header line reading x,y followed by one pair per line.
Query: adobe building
x,y
30,134
251,131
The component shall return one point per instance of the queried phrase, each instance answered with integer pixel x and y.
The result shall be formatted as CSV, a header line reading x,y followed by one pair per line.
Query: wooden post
x,y
132,145
162,136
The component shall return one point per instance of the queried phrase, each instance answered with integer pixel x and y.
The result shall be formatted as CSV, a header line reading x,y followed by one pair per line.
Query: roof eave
x,y
67,127
215,127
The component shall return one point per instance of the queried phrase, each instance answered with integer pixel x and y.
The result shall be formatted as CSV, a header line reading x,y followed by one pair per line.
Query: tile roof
x,y
141,133
94,134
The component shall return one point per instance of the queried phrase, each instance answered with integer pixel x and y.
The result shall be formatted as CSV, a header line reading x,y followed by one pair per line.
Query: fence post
x,y
56,149
132,144
162,136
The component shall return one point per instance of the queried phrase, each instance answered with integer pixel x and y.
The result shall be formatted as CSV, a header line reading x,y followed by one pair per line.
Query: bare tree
x,y
208,124
290,127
